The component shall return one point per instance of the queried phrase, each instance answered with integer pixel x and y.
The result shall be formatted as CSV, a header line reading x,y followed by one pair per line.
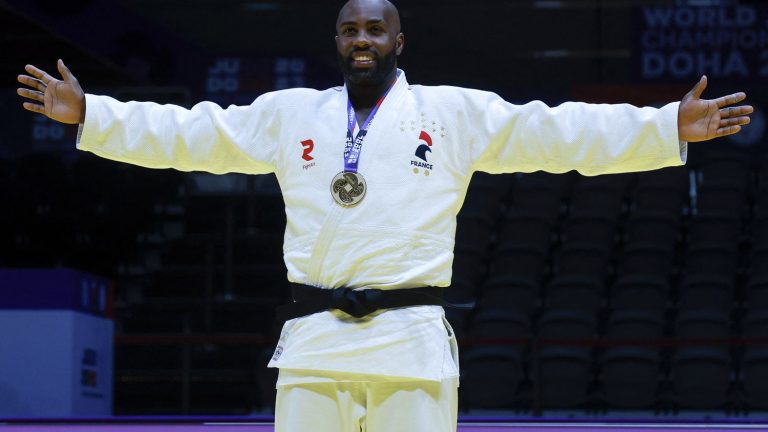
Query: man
x,y
373,175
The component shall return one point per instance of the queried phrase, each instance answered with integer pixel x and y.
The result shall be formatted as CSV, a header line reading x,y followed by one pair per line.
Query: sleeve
x,y
204,138
590,138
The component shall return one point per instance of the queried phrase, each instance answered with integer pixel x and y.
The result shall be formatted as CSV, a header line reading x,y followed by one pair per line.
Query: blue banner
x,y
684,42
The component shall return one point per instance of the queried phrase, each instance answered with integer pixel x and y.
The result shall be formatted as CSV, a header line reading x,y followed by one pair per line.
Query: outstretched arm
x,y
704,119
60,100
205,137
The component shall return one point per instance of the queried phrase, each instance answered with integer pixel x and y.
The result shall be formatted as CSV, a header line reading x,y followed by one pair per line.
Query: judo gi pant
x,y
360,406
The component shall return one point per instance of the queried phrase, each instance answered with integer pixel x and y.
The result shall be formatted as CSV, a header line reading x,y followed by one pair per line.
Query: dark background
x,y
197,260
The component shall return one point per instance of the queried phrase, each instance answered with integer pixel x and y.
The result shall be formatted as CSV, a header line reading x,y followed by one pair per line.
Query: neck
x,y
365,96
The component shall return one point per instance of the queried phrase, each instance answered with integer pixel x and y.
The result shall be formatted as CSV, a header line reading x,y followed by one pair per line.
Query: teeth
x,y
362,58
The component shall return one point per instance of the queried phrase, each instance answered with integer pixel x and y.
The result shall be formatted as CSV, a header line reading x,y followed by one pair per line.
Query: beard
x,y
368,76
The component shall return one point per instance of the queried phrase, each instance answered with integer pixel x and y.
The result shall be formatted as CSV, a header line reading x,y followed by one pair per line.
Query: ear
x,y
399,43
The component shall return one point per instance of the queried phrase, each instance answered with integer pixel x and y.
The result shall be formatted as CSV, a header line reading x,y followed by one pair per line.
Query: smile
x,y
362,59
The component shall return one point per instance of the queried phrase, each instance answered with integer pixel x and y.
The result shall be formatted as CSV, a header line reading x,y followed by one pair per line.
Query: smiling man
x,y
371,221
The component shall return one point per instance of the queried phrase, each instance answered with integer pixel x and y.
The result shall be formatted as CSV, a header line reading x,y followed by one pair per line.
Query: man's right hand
x,y
60,100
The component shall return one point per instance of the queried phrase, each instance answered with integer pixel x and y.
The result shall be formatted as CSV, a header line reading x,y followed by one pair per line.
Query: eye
x,y
377,30
347,31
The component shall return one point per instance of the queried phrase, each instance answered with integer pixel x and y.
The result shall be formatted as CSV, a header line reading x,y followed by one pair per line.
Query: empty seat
x,y
558,324
674,177
640,292
598,196
756,295
712,258
759,230
525,229
539,193
722,228
469,264
484,195
473,232
706,291
491,377
630,376
661,191
582,259
635,325
723,166
500,327
701,377
710,327
597,229
662,228
564,375
754,373
510,292
647,258
755,323
525,261
575,292
720,198
758,261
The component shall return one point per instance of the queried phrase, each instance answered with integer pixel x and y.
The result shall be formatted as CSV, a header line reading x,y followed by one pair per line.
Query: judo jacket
x,y
418,157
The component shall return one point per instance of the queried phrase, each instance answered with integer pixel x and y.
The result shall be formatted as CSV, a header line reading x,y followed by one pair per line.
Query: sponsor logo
x,y
308,145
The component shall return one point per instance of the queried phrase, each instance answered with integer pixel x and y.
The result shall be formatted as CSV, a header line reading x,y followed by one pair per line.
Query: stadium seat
x,y
706,291
597,229
630,376
651,257
662,228
701,378
582,259
581,292
754,375
640,292
564,376
511,292
519,228
491,376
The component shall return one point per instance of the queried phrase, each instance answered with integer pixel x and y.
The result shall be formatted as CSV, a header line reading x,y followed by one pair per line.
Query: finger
x,y
30,94
698,89
64,71
38,73
734,121
29,106
730,99
728,130
736,111
32,82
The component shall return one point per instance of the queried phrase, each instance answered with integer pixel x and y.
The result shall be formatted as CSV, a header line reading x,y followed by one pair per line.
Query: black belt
x,y
359,303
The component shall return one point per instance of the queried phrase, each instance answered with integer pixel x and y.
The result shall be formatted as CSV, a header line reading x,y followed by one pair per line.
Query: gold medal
x,y
348,188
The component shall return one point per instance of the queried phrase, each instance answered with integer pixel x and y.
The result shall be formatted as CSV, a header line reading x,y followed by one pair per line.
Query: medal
x,y
348,187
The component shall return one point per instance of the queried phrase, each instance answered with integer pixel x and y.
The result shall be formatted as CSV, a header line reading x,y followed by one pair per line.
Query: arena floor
x,y
463,427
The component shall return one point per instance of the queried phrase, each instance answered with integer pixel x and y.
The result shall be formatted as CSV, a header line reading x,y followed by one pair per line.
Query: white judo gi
x,y
395,368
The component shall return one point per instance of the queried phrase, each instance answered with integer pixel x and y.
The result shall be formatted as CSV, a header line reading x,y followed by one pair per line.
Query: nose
x,y
362,40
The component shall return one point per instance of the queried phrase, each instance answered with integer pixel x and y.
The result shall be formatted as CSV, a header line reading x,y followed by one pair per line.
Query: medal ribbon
x,y
354,146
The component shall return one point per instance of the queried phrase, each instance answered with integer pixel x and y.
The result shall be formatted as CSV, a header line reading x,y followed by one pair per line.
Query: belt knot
x,y
357,303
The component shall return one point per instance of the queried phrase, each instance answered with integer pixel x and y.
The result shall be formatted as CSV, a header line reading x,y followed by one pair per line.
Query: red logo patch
x,y
308,146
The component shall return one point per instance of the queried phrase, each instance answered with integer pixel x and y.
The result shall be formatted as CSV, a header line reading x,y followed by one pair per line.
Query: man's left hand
x,y
702,119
